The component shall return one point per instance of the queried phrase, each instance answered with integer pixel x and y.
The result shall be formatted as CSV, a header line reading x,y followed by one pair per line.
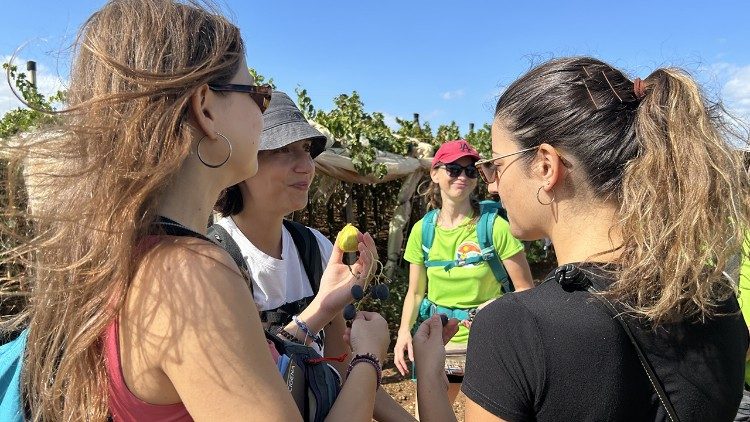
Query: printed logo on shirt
x,y
466,250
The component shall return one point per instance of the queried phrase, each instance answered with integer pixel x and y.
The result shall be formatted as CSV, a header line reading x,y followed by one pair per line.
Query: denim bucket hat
x,y
284,123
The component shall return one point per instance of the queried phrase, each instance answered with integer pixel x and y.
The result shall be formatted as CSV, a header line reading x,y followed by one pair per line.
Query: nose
x,y
492,187
304,163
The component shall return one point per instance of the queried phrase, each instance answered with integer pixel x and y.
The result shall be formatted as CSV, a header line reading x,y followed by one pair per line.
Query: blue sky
x,y
444,60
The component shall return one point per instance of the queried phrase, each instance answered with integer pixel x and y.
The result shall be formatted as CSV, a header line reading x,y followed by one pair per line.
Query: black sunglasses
x,y
454,170
261,94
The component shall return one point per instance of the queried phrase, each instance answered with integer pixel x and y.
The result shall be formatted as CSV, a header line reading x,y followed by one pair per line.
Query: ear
x,y
549,166
202,104
434,174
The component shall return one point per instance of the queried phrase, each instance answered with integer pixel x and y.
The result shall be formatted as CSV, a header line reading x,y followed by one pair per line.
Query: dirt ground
x,y
404,391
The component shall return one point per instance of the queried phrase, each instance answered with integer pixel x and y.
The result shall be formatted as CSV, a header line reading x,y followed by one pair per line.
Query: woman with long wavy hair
x,y
644,201
124,319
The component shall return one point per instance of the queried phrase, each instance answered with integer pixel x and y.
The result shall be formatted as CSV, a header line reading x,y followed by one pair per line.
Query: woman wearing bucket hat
x,y
456,244
285,259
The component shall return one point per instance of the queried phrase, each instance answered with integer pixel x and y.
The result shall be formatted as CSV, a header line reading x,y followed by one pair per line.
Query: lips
x,y
301,185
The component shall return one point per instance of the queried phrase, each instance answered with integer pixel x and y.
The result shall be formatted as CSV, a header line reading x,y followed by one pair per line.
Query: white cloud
x,y
736,92
450,95
47,82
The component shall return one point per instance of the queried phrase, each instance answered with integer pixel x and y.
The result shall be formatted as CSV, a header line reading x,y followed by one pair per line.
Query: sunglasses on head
x,y
454,170
261,94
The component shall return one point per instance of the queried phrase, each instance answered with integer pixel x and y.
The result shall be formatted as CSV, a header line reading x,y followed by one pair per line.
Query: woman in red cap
x,y
449,276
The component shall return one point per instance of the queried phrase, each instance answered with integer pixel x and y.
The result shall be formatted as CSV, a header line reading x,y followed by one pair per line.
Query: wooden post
x,y
416,119
348,211
361,191
31,68
471,128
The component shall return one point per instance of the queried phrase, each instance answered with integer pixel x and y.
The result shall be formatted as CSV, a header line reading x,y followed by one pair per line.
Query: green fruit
x,y
347,238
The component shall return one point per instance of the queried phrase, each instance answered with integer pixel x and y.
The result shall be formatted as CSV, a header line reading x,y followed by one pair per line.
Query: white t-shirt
x,y
277,281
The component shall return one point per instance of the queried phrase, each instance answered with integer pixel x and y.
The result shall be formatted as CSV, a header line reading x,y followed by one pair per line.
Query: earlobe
x,y
201,103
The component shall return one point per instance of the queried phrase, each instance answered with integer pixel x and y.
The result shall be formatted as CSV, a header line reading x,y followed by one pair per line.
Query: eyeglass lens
x,y
454,170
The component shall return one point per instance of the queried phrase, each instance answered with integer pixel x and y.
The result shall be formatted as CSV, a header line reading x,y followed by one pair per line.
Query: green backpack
x,y
488,210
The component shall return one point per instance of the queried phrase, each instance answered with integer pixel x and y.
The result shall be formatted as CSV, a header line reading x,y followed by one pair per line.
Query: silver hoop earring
x,y
213,166
540,201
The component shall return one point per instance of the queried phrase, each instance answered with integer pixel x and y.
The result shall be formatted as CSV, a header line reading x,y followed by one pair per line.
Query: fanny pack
x,y
427,308
455,355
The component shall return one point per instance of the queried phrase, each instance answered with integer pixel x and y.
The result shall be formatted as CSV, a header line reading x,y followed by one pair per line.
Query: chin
x,y
519,233
298,204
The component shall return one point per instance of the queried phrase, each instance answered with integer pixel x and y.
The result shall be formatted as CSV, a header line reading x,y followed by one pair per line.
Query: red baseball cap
x,y
453,150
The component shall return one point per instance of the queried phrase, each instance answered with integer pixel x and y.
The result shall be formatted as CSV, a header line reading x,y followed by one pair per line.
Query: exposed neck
x,y
452,213
191,196
587,236
261,227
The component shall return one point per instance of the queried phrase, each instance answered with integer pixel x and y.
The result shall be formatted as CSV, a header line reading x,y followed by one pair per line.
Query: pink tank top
x,y
123,404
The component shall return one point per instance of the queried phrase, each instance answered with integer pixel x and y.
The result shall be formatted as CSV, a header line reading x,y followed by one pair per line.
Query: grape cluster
x,y
377,291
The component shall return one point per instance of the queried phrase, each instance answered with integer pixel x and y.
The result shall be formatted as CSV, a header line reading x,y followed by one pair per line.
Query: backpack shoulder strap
x,y
429,222
219,235
645,362
488,212
309,251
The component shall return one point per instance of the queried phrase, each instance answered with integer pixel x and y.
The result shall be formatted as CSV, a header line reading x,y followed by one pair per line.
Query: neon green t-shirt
x,y
461,287
744,289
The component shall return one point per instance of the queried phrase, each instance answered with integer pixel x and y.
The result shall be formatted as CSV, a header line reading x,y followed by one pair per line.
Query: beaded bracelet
x,y
372,360
305,329
289,336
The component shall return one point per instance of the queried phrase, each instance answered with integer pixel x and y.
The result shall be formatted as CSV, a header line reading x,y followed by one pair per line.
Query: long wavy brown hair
x,y
661,151
93,184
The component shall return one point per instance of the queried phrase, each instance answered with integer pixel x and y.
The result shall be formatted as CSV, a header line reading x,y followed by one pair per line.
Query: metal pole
x,y
31,68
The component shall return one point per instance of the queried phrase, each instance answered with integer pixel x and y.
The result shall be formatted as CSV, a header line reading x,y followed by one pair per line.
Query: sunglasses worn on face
x,y
488,168
261,94
454,170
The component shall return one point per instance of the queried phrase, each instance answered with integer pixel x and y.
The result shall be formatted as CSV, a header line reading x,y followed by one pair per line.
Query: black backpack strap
x,y
221,237
173,228
645,363
309,252
572,278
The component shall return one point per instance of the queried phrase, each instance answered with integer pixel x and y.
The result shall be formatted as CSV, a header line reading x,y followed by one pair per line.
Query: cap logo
x,y
464,147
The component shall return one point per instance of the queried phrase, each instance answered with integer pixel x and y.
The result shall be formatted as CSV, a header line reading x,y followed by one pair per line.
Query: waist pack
x,y
311,381
455,354
11,358
427,309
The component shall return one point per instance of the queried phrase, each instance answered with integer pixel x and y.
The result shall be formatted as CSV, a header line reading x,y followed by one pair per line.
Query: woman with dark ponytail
x,y
645,201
